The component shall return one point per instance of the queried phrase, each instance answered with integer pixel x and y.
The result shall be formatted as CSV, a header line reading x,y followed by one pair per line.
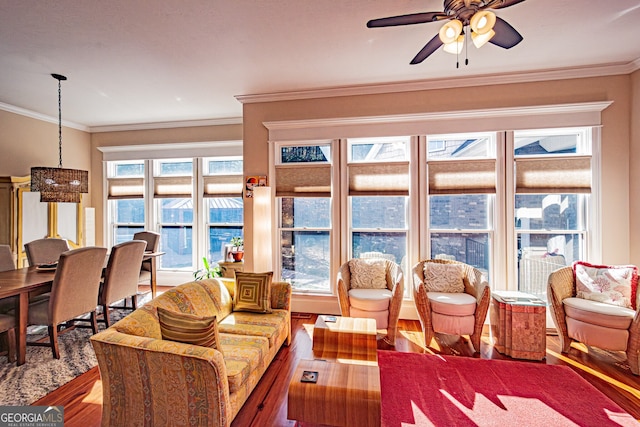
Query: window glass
x,y
470,248
128,211
460,146
379,212
122,169
305,242
543,143
225,220
468,211
548,212
223,166
305,154
177,167
124,233
378,149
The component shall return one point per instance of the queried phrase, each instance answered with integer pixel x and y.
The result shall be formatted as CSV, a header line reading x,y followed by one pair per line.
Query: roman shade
x,y
462,177
303,181
223,186
172,186
125,188
379,179
553,175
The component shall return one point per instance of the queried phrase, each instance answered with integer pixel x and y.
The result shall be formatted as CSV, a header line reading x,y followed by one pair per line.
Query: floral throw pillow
x,y
443,277
368,273
616,285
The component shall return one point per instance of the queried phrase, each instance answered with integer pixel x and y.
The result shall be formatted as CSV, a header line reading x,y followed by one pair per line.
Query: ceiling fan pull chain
x,y
466,49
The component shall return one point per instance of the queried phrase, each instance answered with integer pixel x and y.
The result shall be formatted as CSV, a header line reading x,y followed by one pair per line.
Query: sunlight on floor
x,y
635,392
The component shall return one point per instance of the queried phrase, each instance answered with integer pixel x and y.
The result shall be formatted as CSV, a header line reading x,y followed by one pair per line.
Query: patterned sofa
x,y
150,381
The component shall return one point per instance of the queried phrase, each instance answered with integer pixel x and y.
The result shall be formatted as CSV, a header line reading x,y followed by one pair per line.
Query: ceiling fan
x,y
483,24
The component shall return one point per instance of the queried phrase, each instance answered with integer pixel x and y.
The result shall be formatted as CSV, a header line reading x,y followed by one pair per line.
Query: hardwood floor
x,y
267,405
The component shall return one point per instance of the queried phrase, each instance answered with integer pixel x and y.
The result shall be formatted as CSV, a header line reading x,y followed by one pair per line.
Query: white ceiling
x,y
132,62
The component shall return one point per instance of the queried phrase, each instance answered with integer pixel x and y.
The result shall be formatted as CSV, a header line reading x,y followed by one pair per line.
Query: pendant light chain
x,y
59,123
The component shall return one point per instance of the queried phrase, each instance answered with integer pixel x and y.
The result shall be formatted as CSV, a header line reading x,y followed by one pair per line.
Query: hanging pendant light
x,y
59,184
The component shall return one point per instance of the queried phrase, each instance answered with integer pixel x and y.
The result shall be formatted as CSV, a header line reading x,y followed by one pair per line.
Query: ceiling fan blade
x,y
506,36
414,18
501,4
427,50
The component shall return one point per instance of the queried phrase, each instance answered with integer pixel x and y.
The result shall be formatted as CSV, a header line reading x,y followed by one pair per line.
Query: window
x,y
125,184
195,203
223,203
378,179
461,183
173,188
303,189
552,187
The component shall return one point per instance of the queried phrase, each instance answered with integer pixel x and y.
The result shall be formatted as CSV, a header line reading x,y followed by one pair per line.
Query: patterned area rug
x,y
430,390
41,374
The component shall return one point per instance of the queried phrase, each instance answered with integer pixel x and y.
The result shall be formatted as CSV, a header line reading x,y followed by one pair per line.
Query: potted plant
x,y
237,250
208,272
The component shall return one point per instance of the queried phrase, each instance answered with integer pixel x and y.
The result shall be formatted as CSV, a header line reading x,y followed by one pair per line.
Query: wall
x,y
634,172
28,142
231,132
616,118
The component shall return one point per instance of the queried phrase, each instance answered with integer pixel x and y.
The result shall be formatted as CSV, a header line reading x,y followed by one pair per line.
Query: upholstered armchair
x,y
458,307
593,323
372,288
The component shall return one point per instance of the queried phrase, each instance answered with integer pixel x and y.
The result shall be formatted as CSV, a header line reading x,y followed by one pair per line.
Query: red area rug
x,y
428,390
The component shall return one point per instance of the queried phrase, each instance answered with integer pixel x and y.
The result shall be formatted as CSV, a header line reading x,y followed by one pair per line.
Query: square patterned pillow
x,y
443,277
368,273
252,292
611,284
189,328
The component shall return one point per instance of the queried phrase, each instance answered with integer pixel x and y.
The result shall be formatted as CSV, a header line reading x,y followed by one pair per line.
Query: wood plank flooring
x,y
267,405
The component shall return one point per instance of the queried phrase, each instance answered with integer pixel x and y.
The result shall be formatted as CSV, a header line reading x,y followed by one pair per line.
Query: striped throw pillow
x,y
189,329
252,292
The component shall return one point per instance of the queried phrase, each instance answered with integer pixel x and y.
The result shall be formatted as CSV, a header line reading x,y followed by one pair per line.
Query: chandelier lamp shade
x,y
57,184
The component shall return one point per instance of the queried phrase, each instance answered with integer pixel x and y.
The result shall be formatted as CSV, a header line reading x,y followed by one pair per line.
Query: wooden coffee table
x,y
345,394
347,390
518,324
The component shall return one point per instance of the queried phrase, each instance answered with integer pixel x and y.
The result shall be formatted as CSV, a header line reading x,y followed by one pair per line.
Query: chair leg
x,y
94,322
11,345
475,342
105,314
53,338
134,301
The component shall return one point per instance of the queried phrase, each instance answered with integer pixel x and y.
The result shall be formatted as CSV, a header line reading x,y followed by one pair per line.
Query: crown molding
x,y
43,117
167,125
418,85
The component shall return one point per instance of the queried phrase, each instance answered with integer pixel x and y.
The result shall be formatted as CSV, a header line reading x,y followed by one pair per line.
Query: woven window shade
x,y
223,186
379,179
462,177
126,188
566,175
172,186
303,181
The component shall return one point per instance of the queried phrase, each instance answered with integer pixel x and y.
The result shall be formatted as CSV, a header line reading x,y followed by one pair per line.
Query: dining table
x,y
22,281
18,283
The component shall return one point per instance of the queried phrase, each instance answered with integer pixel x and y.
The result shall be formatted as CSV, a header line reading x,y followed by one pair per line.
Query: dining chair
x,y
6,258
153,243
6,264
121,276
8,328
74,292
45,251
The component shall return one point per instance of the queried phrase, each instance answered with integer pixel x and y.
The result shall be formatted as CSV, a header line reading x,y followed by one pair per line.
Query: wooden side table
x,y
518,324
229,268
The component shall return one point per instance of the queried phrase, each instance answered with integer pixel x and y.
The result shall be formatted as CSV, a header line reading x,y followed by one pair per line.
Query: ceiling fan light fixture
x,y
450,31
482,22
480,40
455,47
